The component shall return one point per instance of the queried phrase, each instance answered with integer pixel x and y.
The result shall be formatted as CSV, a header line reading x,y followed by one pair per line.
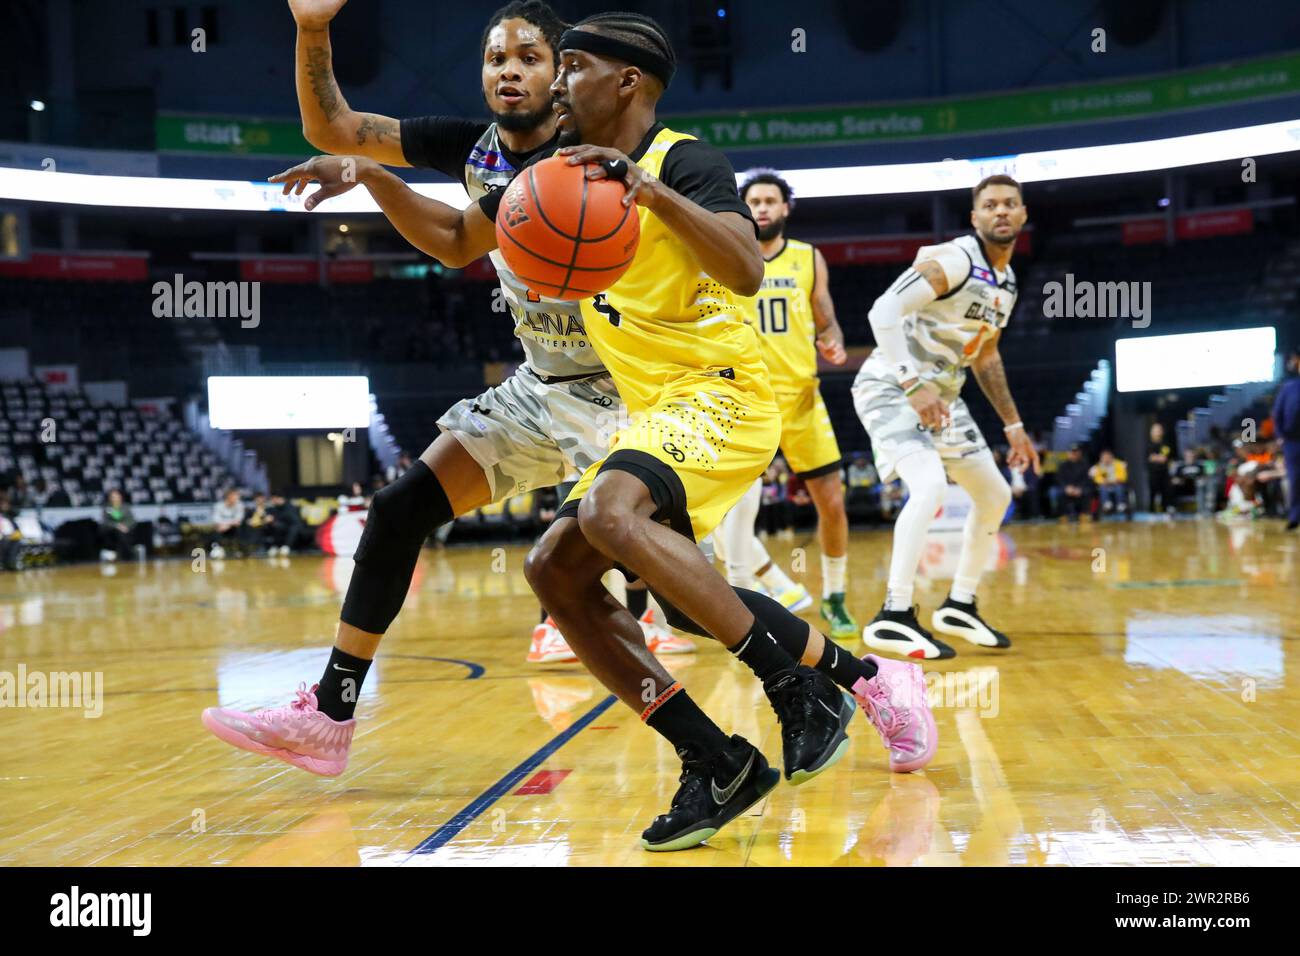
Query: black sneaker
x,y
715,790
963,620
813,713
899,632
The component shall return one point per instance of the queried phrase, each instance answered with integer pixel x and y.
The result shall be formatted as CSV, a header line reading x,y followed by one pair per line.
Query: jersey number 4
x,y
601,305
773,315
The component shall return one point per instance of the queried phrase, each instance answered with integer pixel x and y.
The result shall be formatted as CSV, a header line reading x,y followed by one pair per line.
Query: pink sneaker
x,y
298,734
660,639
895,703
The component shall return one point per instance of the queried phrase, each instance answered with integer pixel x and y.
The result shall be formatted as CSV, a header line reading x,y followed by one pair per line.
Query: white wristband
x,y
1013,426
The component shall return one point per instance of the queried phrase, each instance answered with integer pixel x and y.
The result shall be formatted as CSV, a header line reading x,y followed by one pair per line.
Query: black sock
x,y
679,720
544,616
340,685
760,652
636,601
842,667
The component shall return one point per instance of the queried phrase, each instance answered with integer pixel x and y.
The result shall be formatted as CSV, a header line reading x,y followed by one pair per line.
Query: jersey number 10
x,y
771,318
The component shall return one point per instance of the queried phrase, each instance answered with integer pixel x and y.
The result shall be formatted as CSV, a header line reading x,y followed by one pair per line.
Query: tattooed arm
x,y
328,123
992,377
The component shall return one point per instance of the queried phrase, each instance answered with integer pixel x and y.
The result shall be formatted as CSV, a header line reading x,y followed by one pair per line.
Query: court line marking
x,y
452,828
475,670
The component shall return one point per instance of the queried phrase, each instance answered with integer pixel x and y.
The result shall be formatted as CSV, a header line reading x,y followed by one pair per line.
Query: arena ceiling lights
x,y
241,196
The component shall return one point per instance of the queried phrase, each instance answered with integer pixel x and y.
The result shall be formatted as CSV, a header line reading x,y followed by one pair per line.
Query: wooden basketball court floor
x,y
1149,712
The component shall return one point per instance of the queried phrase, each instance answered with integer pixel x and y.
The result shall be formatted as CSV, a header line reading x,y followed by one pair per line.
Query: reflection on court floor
x,y
1149,712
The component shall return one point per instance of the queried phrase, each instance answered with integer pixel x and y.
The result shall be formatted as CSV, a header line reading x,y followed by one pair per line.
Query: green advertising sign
x,y
229,135
838,125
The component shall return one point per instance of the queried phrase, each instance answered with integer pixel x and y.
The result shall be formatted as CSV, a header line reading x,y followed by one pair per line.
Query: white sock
x,y
776,580
990,495
922,472
735,537
833,572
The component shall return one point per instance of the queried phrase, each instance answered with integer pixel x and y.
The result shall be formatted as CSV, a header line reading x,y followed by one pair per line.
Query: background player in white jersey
x,y
549,421
943,315
795,318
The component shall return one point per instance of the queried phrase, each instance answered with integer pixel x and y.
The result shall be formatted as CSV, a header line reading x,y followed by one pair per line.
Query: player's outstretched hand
x,y
606,163
315,14
932,409
1022,454
336,175
831,344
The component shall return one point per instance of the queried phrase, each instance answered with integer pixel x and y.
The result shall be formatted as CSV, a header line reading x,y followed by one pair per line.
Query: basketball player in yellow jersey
x,y
704,425
795,318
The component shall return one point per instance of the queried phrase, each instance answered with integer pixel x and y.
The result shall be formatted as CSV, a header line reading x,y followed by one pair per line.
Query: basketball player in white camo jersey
x,y
547,423
942,316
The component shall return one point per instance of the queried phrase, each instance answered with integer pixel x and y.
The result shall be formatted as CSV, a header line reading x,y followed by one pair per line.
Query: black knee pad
x,y
401,518
402,515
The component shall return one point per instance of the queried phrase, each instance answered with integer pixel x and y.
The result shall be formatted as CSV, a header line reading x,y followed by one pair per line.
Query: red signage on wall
x,y
278,270
1196,225
1230,222
118,267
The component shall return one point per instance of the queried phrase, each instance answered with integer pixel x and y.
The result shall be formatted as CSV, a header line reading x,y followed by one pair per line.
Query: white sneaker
x,y
107,555
549,645
660,639
217,552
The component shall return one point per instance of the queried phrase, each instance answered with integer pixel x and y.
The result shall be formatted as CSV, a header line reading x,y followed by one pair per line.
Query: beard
x,y
771,230
991,238
522,122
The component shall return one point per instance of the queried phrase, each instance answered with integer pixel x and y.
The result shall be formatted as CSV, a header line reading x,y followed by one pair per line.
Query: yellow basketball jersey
x,y
784,318
666,321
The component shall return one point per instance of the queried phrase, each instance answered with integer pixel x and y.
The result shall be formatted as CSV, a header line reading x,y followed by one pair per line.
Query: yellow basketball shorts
x,y
698,451
807,439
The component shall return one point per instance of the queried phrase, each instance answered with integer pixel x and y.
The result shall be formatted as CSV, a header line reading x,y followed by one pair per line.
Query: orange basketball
x,y
563,235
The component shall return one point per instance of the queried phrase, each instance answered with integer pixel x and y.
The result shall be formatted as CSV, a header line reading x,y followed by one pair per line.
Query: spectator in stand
x,y
1185,477
10,537
355,499
396,471
227,519
1286,424
377,484
20,495
287,531
774,511
256,528
862,474
1023,483
1271,475
58,497
801,507
862,483
116,528
1243,496
40,494
1158,459
1075,486
1110,475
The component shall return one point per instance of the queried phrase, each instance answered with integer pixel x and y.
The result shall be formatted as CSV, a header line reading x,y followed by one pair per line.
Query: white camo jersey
x,y
944,337
553,336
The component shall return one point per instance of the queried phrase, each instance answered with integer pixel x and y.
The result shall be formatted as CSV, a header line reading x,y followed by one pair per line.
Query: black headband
x,y
602,45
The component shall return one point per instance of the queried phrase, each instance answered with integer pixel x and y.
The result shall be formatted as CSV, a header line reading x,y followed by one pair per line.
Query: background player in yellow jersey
x,y
795,319
672,333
